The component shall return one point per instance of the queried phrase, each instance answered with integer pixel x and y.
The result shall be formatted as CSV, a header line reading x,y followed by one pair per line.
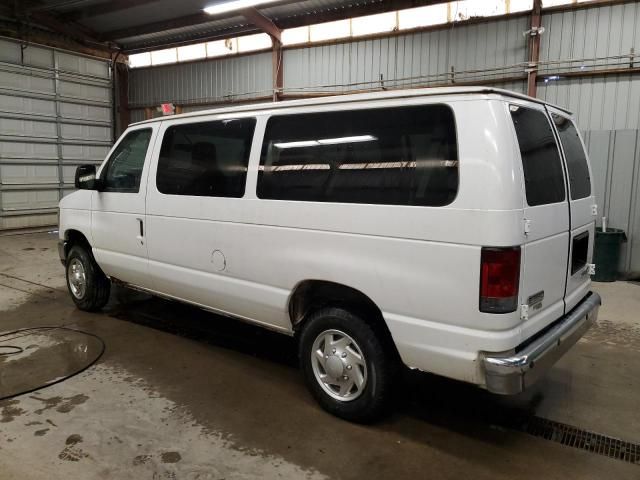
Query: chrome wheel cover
x,y
339,365
77,279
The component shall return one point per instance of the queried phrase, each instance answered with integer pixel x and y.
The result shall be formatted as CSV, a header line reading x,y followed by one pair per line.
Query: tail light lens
x,y
499,279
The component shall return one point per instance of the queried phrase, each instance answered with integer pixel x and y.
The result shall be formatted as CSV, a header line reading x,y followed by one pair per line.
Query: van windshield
x,y
541,163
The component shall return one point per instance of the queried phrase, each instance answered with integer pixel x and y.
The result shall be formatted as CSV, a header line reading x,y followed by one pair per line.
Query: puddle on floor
x,y
36,358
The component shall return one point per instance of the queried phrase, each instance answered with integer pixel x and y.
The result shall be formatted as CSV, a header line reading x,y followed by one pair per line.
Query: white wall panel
x,y
26,83
84,152
28,150
71,131
28,174
85,92
83,65
26,105
78,111
55,113
15,201
27,128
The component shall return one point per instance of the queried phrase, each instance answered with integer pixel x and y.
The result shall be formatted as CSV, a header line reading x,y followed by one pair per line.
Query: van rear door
x,y
582,208
546,218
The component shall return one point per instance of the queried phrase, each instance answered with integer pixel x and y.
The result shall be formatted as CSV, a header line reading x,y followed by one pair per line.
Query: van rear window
x,y
393,156
579,179
543,178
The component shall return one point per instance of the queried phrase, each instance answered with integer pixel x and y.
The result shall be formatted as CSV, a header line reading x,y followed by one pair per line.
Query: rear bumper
x,y
511,372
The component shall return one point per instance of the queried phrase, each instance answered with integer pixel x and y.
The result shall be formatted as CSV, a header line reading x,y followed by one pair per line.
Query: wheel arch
x,y
311,295
75,237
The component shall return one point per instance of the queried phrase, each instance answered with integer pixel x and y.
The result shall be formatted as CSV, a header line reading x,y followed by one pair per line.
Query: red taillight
x,y
499,279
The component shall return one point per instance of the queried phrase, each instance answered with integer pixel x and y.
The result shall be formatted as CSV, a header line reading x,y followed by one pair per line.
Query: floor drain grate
x,y
584,440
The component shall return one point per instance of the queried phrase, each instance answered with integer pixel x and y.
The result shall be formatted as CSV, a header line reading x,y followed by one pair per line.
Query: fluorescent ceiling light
x,y
230,6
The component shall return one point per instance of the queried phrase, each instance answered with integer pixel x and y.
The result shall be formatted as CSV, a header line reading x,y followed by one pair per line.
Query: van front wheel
x,y
88,285
345,365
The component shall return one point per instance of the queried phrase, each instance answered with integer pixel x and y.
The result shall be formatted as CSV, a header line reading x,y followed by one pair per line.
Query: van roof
x,y
357,97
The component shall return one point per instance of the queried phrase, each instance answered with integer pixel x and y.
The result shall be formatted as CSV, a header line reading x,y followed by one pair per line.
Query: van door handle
x,y
141,227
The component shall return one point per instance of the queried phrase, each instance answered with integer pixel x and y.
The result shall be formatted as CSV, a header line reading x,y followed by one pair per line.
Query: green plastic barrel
x,y
607,253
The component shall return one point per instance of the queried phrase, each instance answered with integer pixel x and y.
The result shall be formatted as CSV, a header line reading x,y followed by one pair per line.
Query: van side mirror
x,y
86,178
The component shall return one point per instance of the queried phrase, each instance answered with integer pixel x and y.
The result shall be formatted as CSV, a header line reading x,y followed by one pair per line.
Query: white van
x,y
447,229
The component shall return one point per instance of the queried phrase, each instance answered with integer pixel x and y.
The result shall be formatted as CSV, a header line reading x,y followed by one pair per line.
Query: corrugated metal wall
x,y
607,107
588,33
599,103
55,113
237,78
615,160
462,53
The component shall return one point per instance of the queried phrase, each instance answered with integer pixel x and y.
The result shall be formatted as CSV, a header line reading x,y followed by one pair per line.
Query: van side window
x,y
124,168
579,179
393,156
206,159
543,178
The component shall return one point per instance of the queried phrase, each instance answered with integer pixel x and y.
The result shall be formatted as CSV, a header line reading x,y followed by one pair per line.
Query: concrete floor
x,y
183,394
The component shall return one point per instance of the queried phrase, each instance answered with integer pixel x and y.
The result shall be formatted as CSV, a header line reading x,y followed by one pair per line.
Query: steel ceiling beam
x,y
265,24
105,8
305,18
27,12
179,22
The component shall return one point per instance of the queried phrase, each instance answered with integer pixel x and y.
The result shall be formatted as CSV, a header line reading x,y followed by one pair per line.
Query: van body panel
x,y
420,265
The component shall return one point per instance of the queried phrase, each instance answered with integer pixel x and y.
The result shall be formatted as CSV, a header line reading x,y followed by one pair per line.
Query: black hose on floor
x,y
13,350
16,334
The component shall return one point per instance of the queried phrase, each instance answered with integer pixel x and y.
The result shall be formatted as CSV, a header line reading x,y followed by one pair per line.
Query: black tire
x,y
98,286
375,399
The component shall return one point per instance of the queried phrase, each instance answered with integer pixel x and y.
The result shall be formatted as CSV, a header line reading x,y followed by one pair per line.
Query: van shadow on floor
x,y
439,401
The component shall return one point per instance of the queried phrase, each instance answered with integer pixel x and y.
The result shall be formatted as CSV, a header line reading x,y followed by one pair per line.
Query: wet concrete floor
x,y
34,358
184,394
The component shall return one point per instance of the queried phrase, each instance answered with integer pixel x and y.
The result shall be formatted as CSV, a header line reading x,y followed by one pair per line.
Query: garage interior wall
x,y
607,105
55,114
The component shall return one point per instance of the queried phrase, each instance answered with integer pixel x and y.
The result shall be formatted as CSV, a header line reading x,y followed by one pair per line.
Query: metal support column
x,y
266,25
278,68
56,72
121,82
534,47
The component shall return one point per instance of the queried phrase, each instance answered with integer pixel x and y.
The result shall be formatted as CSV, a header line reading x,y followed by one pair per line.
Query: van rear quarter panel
x,y
420,265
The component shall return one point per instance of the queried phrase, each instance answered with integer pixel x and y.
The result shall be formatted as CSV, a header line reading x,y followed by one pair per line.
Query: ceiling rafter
x,y
264,23
180,22
28,12
316,16
105,8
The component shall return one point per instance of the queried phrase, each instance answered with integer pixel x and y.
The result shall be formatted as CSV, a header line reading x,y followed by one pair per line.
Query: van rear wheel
x,y
345,365
87,284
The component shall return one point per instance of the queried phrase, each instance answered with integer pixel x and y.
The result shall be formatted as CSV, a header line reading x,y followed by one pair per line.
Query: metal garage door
x,y
55,113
